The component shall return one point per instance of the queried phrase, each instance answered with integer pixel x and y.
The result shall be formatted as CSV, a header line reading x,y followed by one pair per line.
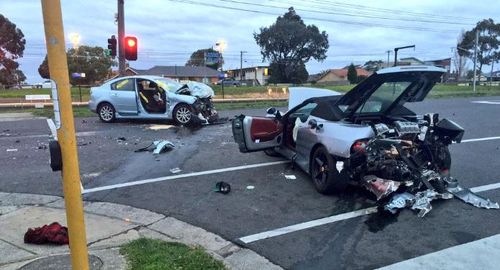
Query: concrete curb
x,y
109,226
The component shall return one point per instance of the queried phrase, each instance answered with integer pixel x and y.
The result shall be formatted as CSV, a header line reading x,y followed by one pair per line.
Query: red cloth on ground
x,y
54,233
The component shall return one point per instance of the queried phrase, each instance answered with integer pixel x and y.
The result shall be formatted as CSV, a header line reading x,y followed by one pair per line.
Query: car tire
x,y
106,112
324,174
183,114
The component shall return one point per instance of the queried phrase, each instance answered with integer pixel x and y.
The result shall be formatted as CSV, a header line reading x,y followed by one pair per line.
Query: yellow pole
x,y
58,68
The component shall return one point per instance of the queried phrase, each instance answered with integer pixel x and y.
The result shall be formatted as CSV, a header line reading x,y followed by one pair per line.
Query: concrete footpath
x,y
108,227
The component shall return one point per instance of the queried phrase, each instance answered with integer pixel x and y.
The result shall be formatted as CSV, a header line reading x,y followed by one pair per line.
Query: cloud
x,y
169,31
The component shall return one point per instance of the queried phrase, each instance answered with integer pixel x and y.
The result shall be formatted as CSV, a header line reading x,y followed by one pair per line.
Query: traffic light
x,y
112,46
130,48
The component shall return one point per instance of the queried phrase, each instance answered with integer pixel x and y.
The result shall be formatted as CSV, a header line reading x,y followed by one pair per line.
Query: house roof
x,y
177,71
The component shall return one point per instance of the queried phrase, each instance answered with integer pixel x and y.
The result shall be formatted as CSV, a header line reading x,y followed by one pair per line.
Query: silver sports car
x,y
366,136
152,97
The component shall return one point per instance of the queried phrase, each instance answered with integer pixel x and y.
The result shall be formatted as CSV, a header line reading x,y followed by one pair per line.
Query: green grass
x,y
21,93
151,254
49,111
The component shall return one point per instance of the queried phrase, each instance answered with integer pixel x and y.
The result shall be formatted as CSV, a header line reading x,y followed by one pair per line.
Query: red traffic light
x,y
131,48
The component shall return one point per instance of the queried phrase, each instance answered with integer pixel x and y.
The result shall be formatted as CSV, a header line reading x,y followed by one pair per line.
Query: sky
x,y
170,30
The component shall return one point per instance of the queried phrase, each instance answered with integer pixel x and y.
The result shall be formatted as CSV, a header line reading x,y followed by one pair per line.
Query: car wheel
x,y
324,173
182,114
106,112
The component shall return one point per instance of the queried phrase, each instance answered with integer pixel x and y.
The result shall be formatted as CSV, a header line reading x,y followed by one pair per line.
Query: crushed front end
x,y
407,163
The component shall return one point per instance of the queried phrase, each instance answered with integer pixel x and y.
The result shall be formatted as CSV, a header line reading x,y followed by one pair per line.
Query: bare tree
x,y
459,60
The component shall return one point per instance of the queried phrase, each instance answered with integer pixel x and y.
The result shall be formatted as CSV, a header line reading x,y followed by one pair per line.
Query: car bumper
x,y
92,106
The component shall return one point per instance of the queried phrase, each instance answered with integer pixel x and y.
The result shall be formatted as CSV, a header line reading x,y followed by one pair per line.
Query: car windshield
x,y
168,85
385,95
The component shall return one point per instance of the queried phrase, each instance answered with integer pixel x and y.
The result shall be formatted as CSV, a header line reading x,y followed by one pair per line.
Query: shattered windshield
x,y
169,85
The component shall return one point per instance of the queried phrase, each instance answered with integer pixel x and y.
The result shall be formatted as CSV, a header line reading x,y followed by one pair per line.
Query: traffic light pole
x,y
121,36
58,68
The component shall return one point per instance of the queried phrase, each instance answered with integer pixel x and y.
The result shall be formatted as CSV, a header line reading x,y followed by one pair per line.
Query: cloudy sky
x,y
170,30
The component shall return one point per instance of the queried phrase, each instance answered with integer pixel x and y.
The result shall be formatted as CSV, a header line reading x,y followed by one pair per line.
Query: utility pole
x,y
121,37
241,64
474,80
396,52
388,55
58,67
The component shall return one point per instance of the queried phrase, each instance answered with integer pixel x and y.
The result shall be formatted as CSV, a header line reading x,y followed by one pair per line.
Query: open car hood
x,y
197,89
409,84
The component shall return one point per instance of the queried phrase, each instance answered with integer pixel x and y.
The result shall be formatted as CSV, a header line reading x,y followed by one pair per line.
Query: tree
x,y
197,59
488,43
12,44
84,59
288,44
373,65
352,74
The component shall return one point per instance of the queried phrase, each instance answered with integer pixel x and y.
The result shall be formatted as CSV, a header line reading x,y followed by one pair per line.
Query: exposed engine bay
x,y
407,163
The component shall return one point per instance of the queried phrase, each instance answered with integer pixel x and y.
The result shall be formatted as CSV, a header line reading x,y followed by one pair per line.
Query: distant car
x,y
44,84
152,97
229,82
366,136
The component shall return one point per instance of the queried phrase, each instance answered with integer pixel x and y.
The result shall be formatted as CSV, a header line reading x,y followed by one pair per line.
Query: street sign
x,y
212,58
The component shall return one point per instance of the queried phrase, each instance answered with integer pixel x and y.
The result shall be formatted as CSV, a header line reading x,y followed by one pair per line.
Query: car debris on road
x,y
367,137
157,147
222,187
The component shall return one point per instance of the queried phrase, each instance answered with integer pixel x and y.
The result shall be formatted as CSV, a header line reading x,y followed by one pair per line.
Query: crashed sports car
x,y
366,137
153,97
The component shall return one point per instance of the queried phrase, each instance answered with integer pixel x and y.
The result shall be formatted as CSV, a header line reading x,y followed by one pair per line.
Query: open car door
x,y
257,133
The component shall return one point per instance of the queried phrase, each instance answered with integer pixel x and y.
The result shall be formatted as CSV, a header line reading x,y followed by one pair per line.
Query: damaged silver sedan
x,y
153,97
366,137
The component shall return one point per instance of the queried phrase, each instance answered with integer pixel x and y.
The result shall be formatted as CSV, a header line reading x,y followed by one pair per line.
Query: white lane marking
x,y
307,225
485,187
52,128
172,177
331,219
493,102
481,139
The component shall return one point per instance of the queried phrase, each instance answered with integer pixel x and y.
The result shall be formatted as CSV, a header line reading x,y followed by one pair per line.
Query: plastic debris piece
x,y
162,146
222,187
380,187
250,187
399,201
467,196
423,201
159,127
12,150
290,176
175,170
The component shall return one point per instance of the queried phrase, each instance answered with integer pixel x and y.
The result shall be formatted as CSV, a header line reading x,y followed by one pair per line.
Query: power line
x,y
358,15
316,19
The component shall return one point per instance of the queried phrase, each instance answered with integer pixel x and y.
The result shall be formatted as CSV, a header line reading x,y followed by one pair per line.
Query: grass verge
x,y
151,254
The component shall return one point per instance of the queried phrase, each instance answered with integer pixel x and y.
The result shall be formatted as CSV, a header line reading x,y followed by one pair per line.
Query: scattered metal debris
x,y
159,127
222,187
12,150
157,147
290,177
250,187
175,170
467,196
380,187
399,201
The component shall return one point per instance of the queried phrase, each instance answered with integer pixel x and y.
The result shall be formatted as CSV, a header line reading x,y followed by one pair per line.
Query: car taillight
x,y
358,146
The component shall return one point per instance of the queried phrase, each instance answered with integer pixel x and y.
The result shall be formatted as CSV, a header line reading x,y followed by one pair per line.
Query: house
x,y
258,75
336,76
180,73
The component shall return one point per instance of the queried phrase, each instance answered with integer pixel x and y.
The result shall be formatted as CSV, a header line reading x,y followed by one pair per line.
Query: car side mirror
x,y
272,111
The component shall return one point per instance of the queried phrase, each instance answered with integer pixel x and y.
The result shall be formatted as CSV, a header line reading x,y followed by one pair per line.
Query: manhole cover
x,y
60,262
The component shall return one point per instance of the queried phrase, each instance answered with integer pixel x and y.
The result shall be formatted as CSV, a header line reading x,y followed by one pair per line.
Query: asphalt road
x,y
364,242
